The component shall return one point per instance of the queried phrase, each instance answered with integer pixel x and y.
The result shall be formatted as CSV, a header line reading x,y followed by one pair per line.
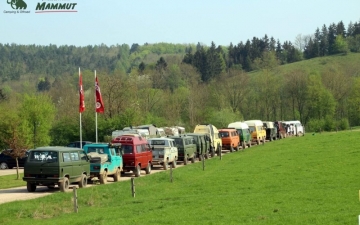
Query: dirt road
x,y
21,193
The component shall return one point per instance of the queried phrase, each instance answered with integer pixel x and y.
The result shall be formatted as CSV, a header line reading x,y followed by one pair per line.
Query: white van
x,y
164,152
299,129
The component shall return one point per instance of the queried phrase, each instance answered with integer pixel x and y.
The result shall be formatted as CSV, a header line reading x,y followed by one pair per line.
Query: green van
x,y
62,166
202,142
244,133
186,148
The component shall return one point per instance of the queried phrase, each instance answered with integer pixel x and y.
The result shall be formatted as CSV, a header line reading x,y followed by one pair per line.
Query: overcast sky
x,y
114,22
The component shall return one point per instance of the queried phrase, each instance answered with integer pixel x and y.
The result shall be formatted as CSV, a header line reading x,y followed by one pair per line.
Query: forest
x,y
314,79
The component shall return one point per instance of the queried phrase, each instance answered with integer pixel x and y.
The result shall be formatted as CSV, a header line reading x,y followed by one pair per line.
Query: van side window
x,y
83,156
138,148
74,156
66,157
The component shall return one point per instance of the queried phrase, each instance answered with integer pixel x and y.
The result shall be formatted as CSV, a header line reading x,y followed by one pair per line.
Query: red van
x,y
136,153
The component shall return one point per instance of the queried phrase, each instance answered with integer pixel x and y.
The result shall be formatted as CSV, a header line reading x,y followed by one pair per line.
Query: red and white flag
x,y
81,93
99,102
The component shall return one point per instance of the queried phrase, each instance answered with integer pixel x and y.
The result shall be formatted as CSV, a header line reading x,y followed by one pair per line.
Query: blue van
x,y
105,160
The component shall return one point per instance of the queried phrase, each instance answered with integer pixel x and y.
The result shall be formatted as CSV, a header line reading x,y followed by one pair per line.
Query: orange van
x,y
230,139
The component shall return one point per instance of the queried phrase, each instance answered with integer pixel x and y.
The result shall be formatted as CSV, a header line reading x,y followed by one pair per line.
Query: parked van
x,y
299,129
271,131
105,160
186,148
164,152
244,132
202,142
258,133
136,153
215,139
230,139
281,131
62,166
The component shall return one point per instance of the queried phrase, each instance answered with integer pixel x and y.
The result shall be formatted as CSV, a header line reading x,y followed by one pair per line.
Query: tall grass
x,y
300,180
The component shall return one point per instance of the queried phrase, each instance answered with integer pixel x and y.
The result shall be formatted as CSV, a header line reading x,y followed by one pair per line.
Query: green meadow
x,y
300,180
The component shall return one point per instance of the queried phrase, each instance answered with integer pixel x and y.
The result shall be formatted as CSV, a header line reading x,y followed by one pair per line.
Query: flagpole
x,y
96,129
80,120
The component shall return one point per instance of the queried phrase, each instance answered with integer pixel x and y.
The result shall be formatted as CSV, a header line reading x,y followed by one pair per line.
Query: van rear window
x,y
43,156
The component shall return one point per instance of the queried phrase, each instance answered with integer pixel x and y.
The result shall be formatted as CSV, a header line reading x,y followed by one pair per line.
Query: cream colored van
x,y
215,139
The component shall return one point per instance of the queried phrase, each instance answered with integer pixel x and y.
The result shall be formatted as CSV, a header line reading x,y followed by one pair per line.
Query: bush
x,y
343,124
315,125
330,124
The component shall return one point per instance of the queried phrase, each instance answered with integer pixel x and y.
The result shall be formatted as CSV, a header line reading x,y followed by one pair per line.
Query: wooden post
x,y
133,187
171,176
203,161
220,154
76,208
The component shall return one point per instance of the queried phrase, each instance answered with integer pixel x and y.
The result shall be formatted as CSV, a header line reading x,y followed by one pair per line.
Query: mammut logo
x,y
17,4
45,7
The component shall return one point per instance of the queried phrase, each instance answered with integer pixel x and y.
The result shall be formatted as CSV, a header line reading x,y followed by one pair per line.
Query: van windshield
x,y
252,128
43,156
96,149
224,134
127,149
178,142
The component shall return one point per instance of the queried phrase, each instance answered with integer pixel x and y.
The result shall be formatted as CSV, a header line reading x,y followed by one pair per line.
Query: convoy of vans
x,y
134,149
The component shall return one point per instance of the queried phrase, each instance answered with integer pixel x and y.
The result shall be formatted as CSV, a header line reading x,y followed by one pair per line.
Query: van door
x,y
77,167
66,164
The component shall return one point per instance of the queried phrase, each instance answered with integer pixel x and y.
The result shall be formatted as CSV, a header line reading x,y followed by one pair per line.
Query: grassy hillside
x,y
306,180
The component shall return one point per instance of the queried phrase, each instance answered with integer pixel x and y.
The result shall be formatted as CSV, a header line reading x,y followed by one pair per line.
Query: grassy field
x,y
300,180
9,181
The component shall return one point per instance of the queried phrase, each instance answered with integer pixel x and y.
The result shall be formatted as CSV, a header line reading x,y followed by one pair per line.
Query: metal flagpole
x,y
80,116
96,130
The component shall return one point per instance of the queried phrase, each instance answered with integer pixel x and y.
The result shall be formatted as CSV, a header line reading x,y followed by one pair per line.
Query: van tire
x,y
148,168
193,159
165,165
206,155
137,171
30,187
185,160
117,175
64,186
103,178
258,142
83,181
243,146
231,148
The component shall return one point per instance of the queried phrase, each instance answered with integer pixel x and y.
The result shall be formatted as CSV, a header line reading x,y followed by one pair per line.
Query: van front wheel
x,y
83,181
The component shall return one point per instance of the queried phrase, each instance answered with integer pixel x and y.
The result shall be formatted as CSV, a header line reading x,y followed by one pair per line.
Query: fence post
x,y
133,187
171,176
76,208
203,161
